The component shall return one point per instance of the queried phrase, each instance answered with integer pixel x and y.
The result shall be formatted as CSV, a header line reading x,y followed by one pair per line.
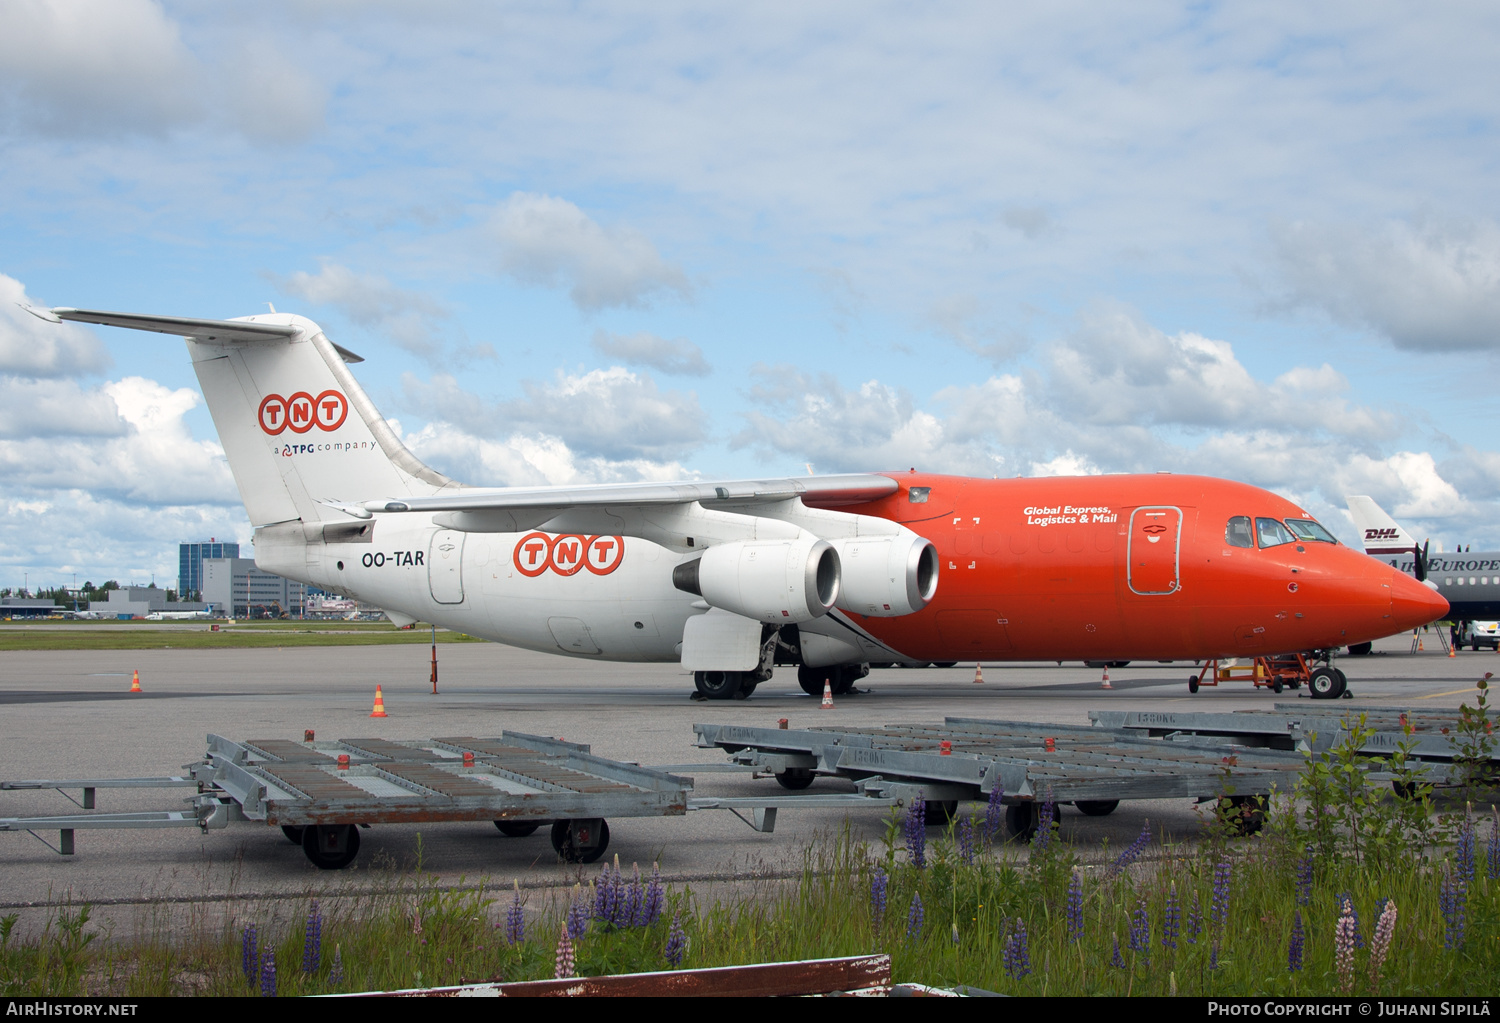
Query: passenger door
x,y
1154,550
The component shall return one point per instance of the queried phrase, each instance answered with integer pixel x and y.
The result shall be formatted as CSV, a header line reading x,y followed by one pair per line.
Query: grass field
x,y
194,636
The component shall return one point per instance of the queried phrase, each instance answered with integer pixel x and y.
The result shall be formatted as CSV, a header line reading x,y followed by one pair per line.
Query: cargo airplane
x,y
729,578
1468,580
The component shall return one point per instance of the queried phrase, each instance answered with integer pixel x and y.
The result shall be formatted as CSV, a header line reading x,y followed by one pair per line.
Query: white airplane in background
x,y
1469,580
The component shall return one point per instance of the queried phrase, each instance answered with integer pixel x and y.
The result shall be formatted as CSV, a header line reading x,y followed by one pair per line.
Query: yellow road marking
x,y
1455,692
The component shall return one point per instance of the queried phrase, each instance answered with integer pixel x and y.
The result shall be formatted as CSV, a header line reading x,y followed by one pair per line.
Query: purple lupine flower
x,y
1380,944
1453,900
1463,851
336,971
966,839
916,833
1492,852
1043,836
515,919
1213,955
268,971
635,898
563,960
1359,937
1075,907
1305,877
1195,920
250,955
994,813
1294,948
1133,850
1172,918
1140,932
578,917
1017,953
914,917
1343,945
603,910
656,897
677,942
880,883
1218,912
312,940
1117,960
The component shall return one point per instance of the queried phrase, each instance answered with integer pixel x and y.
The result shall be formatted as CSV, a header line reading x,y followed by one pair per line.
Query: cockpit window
x,y
1307,529
1238,532
1271,533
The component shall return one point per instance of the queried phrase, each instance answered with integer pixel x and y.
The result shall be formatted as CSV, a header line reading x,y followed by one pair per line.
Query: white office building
x,y
235,587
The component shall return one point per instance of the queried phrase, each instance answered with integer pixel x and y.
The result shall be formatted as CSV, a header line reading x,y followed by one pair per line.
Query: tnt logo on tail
x,y
301,412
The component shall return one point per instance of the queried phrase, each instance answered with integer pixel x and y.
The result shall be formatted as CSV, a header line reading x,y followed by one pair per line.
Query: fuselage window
x,y
918,495
1272,533
1308,529
1238,532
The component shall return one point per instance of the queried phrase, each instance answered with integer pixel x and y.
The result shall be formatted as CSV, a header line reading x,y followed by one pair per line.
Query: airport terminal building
x,y
236,588
140,601
190,558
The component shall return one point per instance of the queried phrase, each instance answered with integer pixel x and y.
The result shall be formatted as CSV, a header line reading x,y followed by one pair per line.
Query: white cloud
x,y
92,68
550,242
677,356
33,347
53,408
611,414
1427,285
520,460
409,318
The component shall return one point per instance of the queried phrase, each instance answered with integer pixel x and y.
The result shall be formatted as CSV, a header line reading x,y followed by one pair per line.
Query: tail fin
x,y
297,428
1378,531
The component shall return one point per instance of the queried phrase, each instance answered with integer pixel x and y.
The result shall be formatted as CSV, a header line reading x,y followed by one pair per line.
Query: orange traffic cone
x,y
1105,684
379,711
1419,644
135,681
979,674
827,703
1451,650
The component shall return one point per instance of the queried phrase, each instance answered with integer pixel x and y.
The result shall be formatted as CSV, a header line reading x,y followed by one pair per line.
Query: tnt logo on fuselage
x,y
1380,534
300,412
565,555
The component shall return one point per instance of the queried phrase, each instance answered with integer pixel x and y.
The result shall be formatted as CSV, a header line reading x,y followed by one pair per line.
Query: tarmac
x,y
70,715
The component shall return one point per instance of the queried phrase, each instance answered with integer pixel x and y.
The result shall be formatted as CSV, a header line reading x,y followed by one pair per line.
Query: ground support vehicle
x,y
1276,672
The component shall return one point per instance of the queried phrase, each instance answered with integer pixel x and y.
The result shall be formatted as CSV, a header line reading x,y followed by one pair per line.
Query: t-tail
x,y
300,434
1382,536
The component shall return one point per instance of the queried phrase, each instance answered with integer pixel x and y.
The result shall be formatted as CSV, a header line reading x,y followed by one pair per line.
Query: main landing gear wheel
x,y
840,679
517,829
1326,684
1096,807
330,846
293,833
794,778
580,840
718,685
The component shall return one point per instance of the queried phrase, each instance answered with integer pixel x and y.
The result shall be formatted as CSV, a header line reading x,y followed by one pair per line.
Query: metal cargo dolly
x,y
321,794
1275,672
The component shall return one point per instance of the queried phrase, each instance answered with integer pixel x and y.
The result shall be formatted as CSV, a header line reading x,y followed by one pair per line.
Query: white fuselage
x,y
473,583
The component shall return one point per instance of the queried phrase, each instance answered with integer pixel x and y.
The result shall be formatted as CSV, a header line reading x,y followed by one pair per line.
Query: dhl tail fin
x,y
1378,531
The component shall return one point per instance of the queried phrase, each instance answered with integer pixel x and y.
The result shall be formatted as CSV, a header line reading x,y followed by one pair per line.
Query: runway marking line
x,y
1455,692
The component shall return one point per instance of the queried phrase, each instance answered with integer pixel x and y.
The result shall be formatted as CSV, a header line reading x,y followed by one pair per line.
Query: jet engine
x,y
886,576
777,581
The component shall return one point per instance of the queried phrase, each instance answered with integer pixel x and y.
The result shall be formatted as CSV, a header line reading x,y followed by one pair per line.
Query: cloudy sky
x,y
611,242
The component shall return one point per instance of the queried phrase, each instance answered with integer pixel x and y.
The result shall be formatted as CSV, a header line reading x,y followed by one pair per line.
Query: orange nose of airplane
x,y
1414,603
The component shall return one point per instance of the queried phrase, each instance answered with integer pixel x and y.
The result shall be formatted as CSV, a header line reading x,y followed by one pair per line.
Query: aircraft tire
x,y
811,679
717,685
1360,649
1192,683
944,664
1325,684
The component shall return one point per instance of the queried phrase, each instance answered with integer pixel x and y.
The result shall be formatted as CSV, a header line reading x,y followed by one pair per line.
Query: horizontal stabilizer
x,y
249,328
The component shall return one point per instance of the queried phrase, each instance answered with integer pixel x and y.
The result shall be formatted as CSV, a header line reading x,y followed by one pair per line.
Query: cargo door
x,y
1153,549
445,566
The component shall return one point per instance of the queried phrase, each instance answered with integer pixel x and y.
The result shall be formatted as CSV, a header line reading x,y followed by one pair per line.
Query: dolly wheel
x,y
794,778
517,829
1192,683
293,833
330,846
1021,820
580,840
1096,807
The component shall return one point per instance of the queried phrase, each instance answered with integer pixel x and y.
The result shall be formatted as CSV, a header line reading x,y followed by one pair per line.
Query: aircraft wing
x,y
852,488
